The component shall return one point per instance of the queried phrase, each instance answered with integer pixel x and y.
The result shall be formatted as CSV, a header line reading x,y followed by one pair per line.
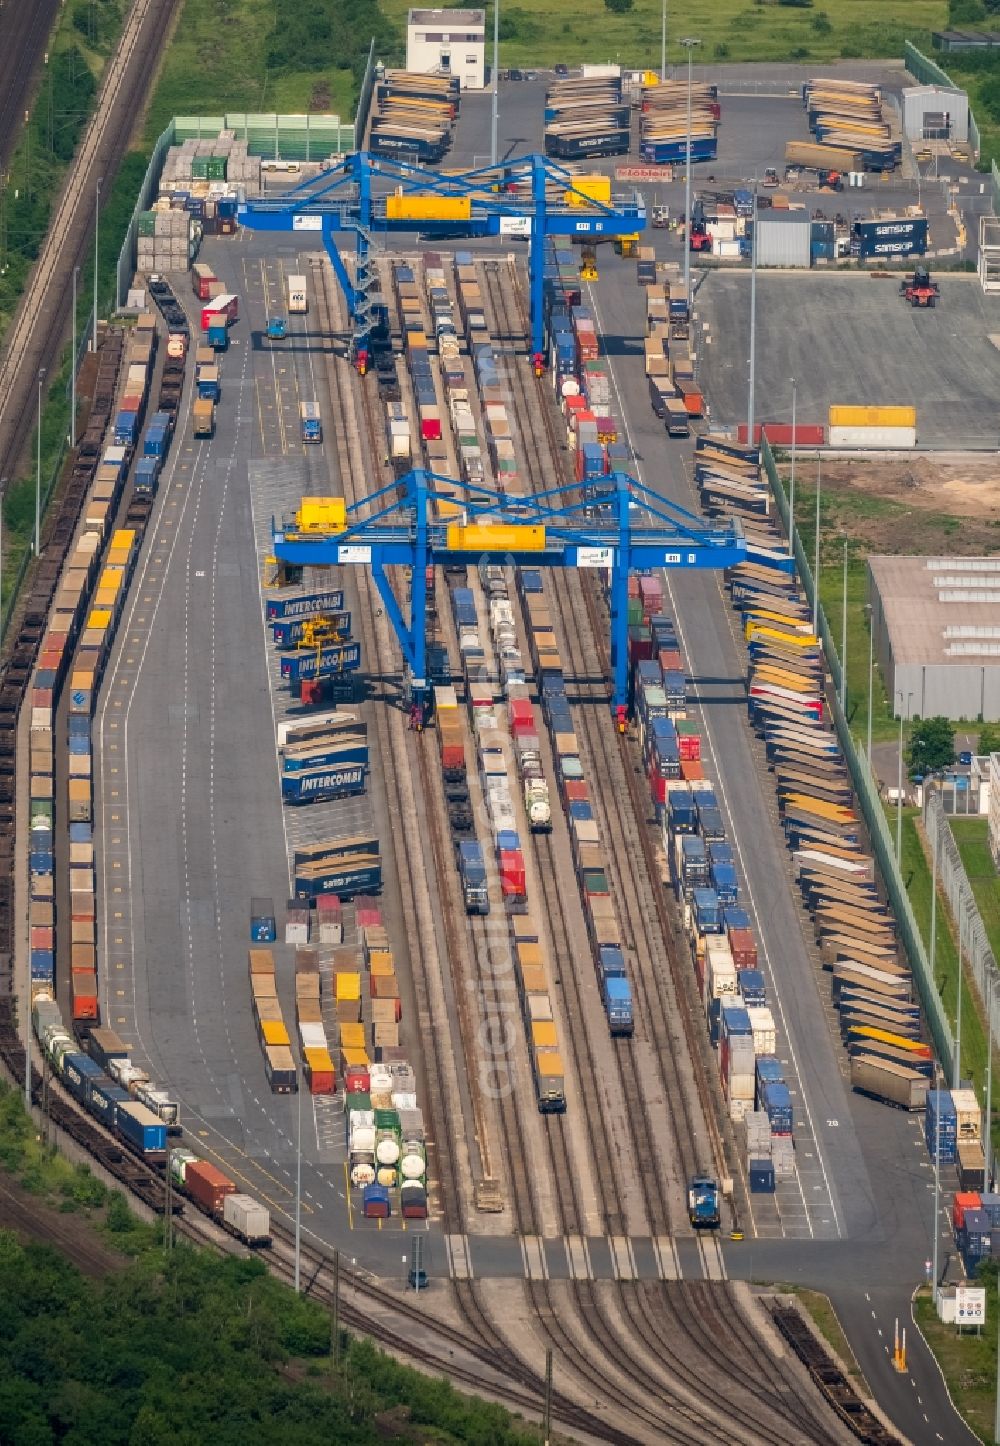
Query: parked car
x,y
965,758
515,75
561,70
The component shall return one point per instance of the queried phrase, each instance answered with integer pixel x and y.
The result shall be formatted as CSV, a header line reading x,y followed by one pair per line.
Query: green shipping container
x,y
687,730
199,168
217,168
387,1120
634,611
147,223
595,883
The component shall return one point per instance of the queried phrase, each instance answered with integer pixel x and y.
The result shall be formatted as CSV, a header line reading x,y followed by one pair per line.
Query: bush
x,y
989,97
618,7
966,12
721,50
820,22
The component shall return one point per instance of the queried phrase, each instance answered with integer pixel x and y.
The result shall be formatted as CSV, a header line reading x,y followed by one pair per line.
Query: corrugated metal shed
x,y
783,238
935,111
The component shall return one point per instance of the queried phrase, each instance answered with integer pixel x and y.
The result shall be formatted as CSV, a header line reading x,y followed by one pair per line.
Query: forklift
x,y
919,289
588,263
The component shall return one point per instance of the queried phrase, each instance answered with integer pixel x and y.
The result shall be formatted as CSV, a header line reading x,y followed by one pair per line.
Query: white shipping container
x,y
741,1087
313,1035
296,933
738,1108
876,438
762,1024
250,1219
331,932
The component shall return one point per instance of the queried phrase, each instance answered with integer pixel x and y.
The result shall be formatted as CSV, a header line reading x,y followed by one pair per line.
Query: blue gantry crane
x,y
626,528
367,194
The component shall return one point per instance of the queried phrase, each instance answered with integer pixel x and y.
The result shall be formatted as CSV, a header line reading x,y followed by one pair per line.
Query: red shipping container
x,y
55,640
657,786
512,877
357,1081
744,947
85,1001
780,434
453,756
689,747
52,658
41,697
633,585
321,1081
521,712
131,402
84,908
202,285
430,429
329,905
640,648
207,1186
226,305
43,937
576,791
692,771
367,911
964,1200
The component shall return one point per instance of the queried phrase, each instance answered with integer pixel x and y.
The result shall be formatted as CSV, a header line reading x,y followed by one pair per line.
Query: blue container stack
x,y
761,1177
941,1122
974,1239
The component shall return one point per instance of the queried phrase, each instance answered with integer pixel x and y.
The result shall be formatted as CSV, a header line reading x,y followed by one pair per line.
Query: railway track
x,y
26,27
36,334
669,1313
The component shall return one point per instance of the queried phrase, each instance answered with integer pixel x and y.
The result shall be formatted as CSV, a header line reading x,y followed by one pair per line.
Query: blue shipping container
x,y
304,607
323,784
150,1138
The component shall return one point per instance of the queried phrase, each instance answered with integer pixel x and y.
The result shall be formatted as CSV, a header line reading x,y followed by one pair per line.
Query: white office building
x,y
448,42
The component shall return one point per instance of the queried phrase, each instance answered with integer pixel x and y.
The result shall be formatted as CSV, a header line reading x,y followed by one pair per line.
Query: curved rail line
x,y
36,334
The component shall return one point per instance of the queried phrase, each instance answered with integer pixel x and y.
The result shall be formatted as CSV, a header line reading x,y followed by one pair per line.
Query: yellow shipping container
x,y
352,1036
428,208
873,417
543,1034
322,514
533,980
347,986
549,1063
593,188
495,537
99,620
354,1059
380,963
274,1032
124,537
319,1060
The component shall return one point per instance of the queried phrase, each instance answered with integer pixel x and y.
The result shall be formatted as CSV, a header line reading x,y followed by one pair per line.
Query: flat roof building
x,y
936,624
448,42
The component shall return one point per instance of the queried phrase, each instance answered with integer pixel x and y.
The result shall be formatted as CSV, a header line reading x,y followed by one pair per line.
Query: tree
x,y
931,746
966,12
989,738
618,7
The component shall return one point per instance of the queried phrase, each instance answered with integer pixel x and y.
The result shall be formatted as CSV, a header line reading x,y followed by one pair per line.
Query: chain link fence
x,y
954,881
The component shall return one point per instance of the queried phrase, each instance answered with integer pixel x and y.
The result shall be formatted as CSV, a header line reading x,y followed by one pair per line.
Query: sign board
x,y
356,553
595,556
515,225
662,175
970,1305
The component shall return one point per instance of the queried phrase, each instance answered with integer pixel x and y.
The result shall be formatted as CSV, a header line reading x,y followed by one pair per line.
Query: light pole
x,y
663,46
72,369
870,612
819,489
937,1180
791,483
38,467
495,118
989,1077
899,778
956,1068
298,1195
97,237
752,386
843,639
689,44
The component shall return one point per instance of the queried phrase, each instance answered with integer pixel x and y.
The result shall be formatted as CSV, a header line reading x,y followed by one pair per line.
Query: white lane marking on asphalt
x,y
725,799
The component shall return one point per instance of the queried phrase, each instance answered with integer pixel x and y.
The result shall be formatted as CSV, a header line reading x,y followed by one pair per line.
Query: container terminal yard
x,y
565,965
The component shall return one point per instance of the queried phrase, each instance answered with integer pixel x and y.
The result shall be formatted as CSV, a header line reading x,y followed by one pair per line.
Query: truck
x,y
298,301
147,473
312,422
203,417
207,380
473,874
218,333
703,1202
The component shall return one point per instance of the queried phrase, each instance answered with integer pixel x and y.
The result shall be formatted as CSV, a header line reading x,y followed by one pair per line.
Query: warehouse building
x,y
936,624
448,42
935,113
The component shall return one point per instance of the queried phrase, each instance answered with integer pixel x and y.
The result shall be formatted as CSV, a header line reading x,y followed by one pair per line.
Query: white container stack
x,y
164,241
758,1135
783,1155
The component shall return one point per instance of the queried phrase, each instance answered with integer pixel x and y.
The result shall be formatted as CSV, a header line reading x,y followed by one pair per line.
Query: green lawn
x,y
971,837
968,1361
545,31
217,62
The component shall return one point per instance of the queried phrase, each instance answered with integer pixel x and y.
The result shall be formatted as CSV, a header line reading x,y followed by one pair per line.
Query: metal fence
x,y
995,180
866,789
307,137
147,191
953,879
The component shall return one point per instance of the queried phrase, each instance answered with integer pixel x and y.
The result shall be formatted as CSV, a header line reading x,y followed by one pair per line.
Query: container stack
x,y
414,117
319,1067
164,241
663,137
848,115
272,1032
586,117
873,427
